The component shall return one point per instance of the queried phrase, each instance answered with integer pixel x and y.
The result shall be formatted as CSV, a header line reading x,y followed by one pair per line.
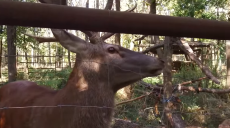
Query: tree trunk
x,y
87,6
26,66
228,62
69,60
50,60
118,35
155,39
11,38
159,50
1,31
97,4
59,56
167,75
172,119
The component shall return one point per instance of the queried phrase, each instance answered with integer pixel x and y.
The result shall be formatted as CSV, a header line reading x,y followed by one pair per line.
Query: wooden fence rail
x,y
63,17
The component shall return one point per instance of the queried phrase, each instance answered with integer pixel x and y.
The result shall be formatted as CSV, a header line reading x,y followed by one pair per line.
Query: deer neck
x,y
88,87
93,99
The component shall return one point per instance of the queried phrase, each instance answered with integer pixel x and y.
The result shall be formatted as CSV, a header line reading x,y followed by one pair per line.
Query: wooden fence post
x,y
172,118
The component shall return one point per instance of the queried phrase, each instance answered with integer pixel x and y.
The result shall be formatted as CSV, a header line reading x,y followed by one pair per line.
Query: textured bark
x,y
11,39
167,75
159,50
175,119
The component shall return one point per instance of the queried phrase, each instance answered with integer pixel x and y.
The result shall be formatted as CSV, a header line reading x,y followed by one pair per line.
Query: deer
x,y
87,99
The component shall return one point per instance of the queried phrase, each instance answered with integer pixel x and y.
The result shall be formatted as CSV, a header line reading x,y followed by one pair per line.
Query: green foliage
x,y
50,78
3,32
189,8
126,40
203,9
187,73
24,42
153,80
197,108
136,111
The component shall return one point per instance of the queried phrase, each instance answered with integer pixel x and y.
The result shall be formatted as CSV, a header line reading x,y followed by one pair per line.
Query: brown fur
x,y
95,78
26,93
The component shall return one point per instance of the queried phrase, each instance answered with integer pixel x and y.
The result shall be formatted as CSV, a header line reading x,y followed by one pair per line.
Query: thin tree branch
x,y
153,48
138,98
181,87
133,8
141,38
187,50
208,90
192,81
157,88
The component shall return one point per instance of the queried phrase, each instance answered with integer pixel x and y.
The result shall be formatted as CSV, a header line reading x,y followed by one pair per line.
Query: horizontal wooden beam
x,y
63,17
191,44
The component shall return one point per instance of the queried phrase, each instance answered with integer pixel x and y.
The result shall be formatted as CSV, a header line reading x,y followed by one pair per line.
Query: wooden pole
x,y
167,75
63,17
228,63
175,119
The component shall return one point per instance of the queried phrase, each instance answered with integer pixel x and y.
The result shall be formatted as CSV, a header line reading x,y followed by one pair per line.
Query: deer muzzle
x,y
157,67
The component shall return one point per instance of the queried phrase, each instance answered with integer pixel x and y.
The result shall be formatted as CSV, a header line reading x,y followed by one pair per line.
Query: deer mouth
x,y
156,72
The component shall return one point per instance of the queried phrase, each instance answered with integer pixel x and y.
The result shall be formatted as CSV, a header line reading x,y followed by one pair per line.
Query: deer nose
x,y
161,60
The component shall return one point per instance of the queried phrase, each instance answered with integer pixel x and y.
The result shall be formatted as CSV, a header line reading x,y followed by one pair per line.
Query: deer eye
x,y
111,50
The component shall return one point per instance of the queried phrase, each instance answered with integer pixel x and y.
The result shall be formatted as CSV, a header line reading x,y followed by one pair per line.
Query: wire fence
x,y
42,67
47,65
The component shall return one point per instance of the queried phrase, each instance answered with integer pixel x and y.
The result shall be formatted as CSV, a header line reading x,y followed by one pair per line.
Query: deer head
x,y
112,63
119,65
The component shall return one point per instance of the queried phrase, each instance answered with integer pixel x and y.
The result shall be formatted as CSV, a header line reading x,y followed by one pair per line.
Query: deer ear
x,y
69,41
